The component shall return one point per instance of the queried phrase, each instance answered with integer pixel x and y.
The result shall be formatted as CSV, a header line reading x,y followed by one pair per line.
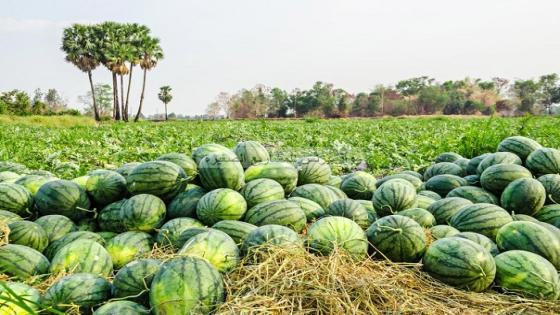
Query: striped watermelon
x,y
519,145
527,274
350,209
261,190
460,263
311,209
186,285
105,187
496,177
211,148
18,298
531,237
443,168
280,212
430,194
270,235
415,181
251,152
474,162
334,181
33,182
221,171
442,231
7,217
544,161
551,183
481,240
82,256
87,224
336,192
237,230
443,184
397,238
444,209
22,262
63,197
13,167
106,235
549,214
183,161
216,247
56,226
121,308
159,178
85,290
128,246
189,233
81,181
282,172
474,194
133,280
472,180
483,218
169,233
29,234
393,196
497,158
423,201
68,238
8,177
16,199
143,213
421,216
359,185
447,157
221,204
331,234
125,169
110,218
463,163
413,173
184,204
524,195
372,215
313,170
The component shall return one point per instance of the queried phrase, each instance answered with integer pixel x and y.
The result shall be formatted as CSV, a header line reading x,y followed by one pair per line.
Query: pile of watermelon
x,y
489,222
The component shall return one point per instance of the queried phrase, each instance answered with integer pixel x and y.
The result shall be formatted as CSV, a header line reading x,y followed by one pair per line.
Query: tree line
x,y
415,96
16,102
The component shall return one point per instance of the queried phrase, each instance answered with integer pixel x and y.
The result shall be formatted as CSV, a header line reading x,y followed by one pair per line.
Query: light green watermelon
x,y
221,204
82,256
337,234
250,153
128,246
216,247
282,172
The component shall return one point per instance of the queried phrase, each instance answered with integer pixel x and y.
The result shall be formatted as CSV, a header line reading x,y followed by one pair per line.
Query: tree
x,y
549,90
526,93
103,96
411,87
151,53
15,102
500,84
55,102
165,96
432,99
38,106
213,109
278,103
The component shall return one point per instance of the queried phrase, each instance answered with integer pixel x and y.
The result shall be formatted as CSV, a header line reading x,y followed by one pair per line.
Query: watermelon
x,y
443,168
125,169
528,274
87,224
13,167
350,209
81,181
68,238
313,170
221,204
133,280
184,204
460,263
359,185
211,148
270,235
393,196
415,181
8,177
444,209
159,178
29,234
311,209
18,298
189,233
250,153
472,180
106,235
474,162
41,173
172,229
280,212
336,192
183,161
551,183
186,285
421,216
483,218
143,213
497,158
7,217
110,218
282,172
524,195
221,171
33,182
62,197
496,177
441,231
481,240
334,181
544,161
372,215
121,308
16,199
332,234
448,157
128,246
463,163
105,187
430,194
56,226
474,194
82,256
261,190
237,230
519,145
216,247
443,184
413,173
85,290
22,262
398,238
549,214
531,237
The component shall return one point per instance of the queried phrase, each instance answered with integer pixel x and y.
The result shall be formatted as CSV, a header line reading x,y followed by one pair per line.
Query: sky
x,y
212,46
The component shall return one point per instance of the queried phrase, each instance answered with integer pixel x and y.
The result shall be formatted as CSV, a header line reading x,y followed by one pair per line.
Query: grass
x,y
47,121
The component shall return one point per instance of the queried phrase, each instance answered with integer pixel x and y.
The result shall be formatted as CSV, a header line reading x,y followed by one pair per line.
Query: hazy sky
x,y
226,45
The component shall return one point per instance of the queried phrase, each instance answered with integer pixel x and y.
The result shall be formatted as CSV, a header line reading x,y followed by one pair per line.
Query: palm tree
x,y
151,54
165,96
135,33
81,48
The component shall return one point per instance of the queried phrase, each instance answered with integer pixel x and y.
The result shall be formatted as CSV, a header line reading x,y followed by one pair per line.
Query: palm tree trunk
x,y
95,110
128,90
117,106
141,97
114,98
123,112
165,111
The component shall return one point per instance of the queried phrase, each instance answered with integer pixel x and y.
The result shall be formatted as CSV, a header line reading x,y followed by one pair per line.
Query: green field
x,y
385,144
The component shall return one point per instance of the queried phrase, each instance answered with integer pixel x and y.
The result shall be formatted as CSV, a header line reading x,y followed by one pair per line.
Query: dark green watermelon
x,y
237,230
359,185
448,157
319,194
544,161
63,197
421,216
261,190
350,209
483,218
221,171
481,240
280,212
183,161
56,226
444,209
331,234
393,196
442,168
441,231
443,184
121,308
169,233
496,177
474,194
22,262
68,238
271,235
105,187
110,218
82,256
519,145
125,169
551,183
184,204
415,181
133,280
397,238
282,172
159,178
211,148
524,196
549,214
313,170
84,290
474,162
29,234
15,198
497,158
311,209
143,213
430,194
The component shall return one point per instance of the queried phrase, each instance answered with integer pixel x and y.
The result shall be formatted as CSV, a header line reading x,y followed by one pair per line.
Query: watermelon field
x,y
424,215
